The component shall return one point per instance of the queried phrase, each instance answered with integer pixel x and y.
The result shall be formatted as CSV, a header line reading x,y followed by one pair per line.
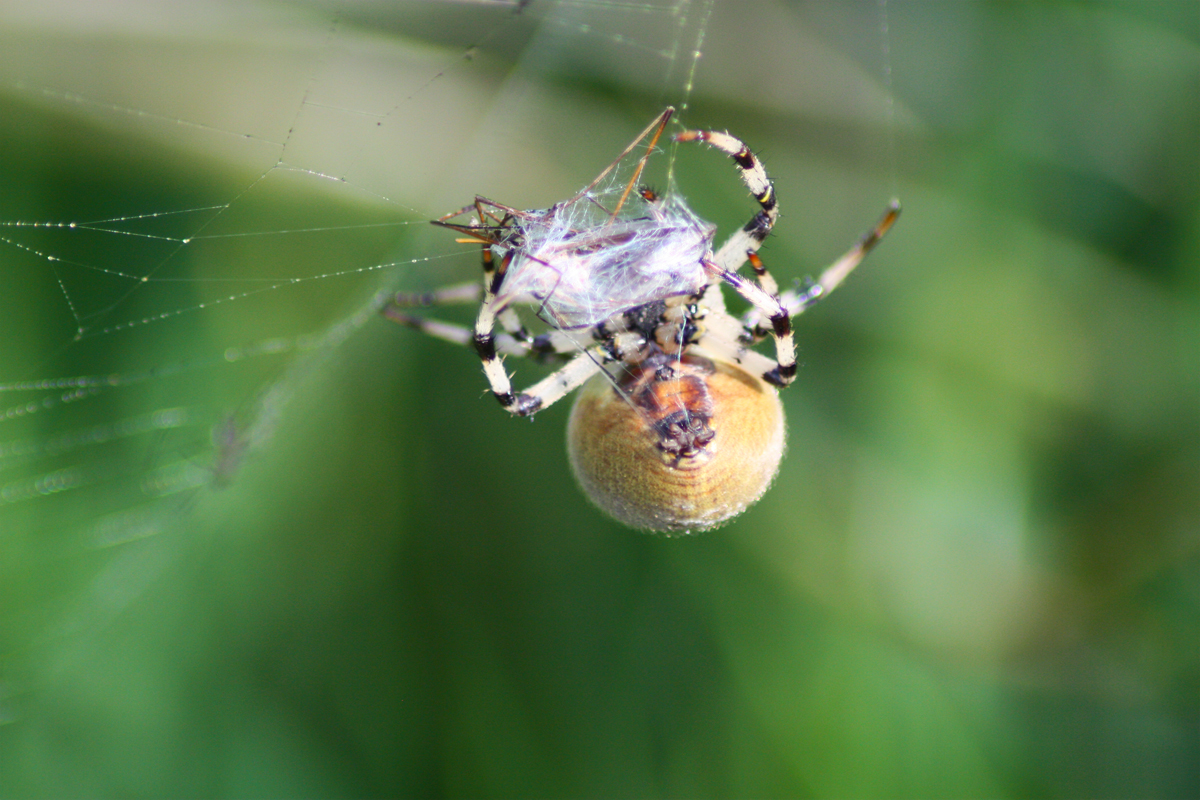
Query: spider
x,y
677,427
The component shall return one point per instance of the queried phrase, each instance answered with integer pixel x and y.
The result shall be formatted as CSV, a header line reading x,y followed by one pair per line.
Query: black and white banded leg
x,y
763,293
492,347
749,238
799,301
835,273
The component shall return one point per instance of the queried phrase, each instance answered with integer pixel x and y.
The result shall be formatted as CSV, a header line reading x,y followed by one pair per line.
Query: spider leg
x,y
835,273
492,347
484,341
740,245
784,371
455,334
551,388
469,292
799,301
778,310
492,278
763,295
458,293
514,339
546,391
753,319
558,384
552,345
751,360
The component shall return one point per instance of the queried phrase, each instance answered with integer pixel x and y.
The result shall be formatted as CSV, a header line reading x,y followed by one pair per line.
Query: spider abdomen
x,y
678,445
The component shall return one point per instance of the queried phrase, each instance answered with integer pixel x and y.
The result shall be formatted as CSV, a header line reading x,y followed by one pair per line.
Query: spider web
x,y
204,203
306,144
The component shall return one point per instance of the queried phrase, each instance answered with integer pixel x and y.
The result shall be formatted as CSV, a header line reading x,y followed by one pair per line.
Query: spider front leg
x,y
573,374
763,294
749,239
743,246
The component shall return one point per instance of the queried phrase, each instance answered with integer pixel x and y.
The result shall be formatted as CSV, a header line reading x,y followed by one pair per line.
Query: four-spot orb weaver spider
x,y
678,426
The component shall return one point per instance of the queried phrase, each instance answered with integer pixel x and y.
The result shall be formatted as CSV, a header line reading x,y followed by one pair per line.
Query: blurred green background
x,y
293,550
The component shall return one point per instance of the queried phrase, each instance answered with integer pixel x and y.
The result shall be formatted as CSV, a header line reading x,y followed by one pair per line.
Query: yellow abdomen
x,y
676,445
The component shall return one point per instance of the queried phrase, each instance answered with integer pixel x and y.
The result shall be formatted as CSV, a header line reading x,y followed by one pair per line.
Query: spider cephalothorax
x,y
678,426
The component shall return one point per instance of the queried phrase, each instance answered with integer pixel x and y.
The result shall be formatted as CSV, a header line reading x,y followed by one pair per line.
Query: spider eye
x,y
676,454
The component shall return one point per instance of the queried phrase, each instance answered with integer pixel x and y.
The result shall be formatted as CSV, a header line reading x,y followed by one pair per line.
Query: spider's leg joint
x,y
781,376
485,346
743,157
689,331
781,324
765,198
759,225
756,263
520,405
494,279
